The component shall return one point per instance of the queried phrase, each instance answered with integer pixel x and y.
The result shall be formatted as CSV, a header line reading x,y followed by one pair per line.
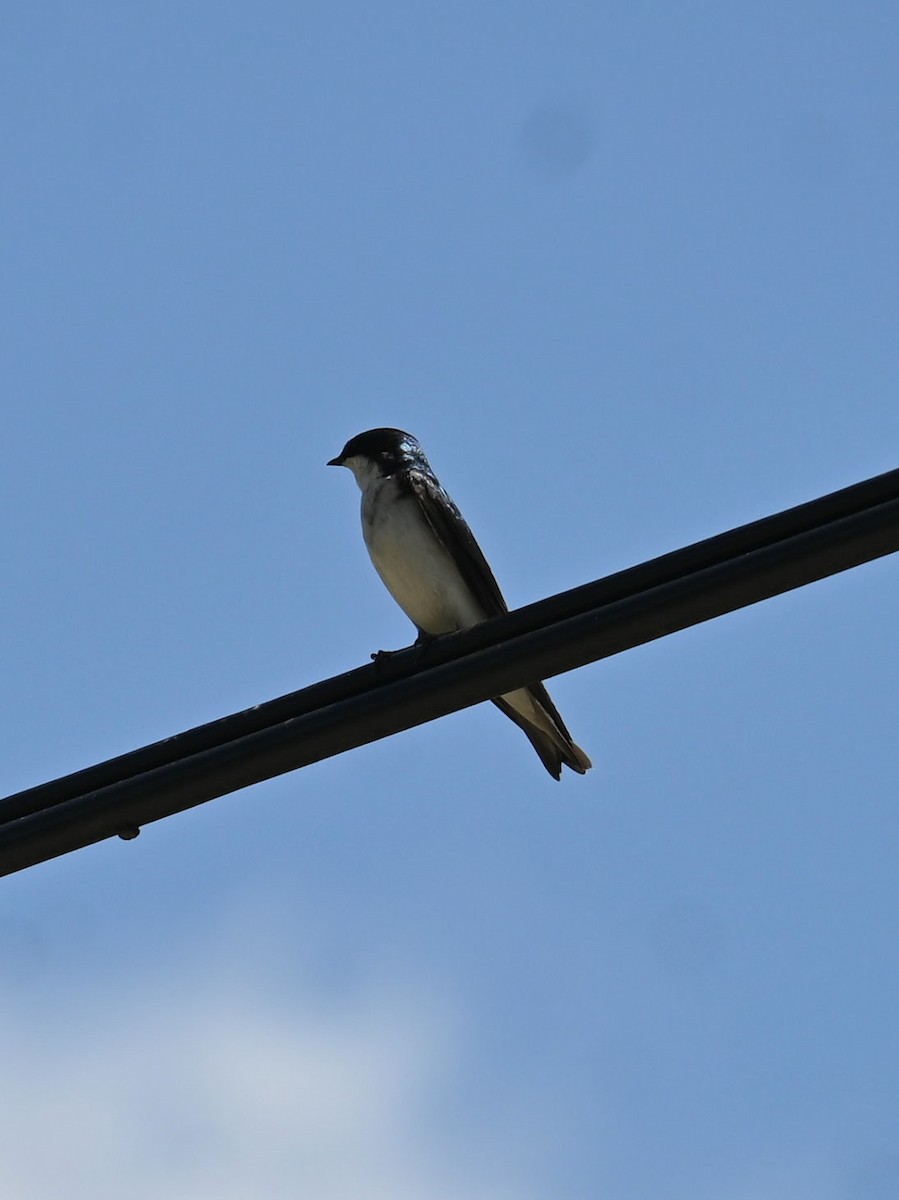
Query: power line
x,y
558,634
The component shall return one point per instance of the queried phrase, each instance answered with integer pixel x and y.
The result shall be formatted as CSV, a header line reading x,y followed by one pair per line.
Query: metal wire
x,y
565,631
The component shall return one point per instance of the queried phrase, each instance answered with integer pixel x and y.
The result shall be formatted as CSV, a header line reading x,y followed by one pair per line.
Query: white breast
x,y
415,568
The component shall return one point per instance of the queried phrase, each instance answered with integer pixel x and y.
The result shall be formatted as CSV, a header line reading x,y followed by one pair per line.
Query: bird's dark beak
x,y
335,462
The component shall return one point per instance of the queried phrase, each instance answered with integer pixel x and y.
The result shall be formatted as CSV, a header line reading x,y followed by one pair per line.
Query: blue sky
x,y
630,273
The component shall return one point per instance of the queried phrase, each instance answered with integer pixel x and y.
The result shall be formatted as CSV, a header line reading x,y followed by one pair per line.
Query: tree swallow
x,y
431,564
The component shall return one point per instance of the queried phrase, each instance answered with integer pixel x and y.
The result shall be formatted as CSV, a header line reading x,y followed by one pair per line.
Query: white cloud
x,y
191,1090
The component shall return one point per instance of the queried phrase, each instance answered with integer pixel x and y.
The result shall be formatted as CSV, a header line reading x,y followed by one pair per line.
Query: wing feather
x,y
451,529
553,743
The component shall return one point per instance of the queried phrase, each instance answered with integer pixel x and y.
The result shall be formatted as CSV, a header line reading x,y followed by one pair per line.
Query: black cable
x,y
708,579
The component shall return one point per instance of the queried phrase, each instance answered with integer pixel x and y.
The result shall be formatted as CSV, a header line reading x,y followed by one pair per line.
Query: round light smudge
x,y
556,139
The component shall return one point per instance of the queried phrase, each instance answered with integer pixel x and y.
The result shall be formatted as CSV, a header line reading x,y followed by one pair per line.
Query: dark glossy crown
x,y
390,448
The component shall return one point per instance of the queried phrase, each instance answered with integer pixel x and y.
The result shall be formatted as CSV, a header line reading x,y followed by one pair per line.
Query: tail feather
x,y
550,739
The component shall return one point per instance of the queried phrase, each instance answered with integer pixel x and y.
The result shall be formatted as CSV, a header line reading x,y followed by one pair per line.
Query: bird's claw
x,y
383,658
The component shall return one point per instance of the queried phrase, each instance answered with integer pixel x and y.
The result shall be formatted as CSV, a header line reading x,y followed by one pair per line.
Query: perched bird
x,y
431,564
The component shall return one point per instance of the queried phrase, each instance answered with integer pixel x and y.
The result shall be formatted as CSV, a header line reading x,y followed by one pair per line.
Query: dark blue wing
x,y
450,527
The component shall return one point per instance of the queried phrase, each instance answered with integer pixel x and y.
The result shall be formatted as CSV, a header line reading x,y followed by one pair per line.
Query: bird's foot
x,y
424,643
383,658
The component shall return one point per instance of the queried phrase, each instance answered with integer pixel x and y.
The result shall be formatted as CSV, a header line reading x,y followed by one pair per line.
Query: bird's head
x,y
378,453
